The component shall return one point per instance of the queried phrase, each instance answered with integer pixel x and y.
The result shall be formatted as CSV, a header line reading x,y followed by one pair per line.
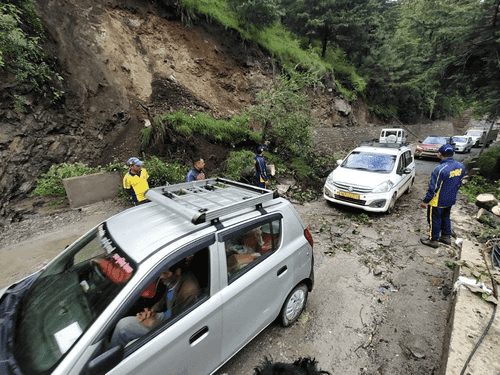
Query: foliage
x,y
285,117
303,195
162,173
258,13
487,161
301,167
51,183
239,164
21,53
231,131
479,185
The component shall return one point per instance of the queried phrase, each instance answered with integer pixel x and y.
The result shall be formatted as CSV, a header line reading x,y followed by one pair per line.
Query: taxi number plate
x,y
349,195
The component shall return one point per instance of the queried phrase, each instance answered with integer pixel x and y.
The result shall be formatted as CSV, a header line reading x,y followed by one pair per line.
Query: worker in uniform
x,y
135,181
441,195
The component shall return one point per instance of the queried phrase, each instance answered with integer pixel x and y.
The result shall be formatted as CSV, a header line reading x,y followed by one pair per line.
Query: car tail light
x,y
308,237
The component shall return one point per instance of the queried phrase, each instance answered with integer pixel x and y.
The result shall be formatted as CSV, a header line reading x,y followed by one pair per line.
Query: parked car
x,y
430,146
372,177
481,134
245,251
394,135
462,143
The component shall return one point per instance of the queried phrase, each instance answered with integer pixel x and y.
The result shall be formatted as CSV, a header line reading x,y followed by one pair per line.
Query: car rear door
x,y
252,294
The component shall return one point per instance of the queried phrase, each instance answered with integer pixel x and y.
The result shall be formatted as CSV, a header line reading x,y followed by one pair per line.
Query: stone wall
x,y
340,139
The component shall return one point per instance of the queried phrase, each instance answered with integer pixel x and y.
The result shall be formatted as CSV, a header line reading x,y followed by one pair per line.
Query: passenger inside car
x,y
181,291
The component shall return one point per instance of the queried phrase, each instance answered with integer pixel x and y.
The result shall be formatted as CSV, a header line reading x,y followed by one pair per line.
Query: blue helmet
x,y
261,148
134,161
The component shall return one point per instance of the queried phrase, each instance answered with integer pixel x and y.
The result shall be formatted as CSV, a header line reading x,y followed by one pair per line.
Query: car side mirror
x,y
339,161
406,171
106,361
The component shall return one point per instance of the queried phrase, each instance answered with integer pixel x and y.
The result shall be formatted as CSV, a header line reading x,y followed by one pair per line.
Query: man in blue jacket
x,y
196,173
445,181
261,179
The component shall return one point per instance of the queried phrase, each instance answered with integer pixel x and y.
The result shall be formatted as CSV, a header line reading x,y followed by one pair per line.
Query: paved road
x,y
425,166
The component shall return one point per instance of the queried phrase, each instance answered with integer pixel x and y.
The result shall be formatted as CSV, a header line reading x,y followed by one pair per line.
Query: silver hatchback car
x,y
175,286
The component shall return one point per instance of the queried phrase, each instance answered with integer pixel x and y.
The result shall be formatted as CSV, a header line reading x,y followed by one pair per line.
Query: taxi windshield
x,y
459,140
66,298
369,161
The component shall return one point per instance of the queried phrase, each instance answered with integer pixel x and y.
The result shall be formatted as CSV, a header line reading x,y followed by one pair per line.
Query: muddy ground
x,y
380,301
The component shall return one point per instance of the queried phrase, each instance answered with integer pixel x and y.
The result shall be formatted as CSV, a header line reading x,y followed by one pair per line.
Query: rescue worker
x,y
197,172
261,179
445,181
135,181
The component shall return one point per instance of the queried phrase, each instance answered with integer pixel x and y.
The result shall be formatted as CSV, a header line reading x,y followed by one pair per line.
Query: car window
x,y
171,290
67,297
408,158
460,139
435,140
245,249
370,162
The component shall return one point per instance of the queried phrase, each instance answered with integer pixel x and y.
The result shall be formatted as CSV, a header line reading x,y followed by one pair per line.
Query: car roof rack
x,y
384,145
208,200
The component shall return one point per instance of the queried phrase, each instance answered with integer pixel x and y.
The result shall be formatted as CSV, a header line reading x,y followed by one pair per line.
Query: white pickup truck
x,y
481,136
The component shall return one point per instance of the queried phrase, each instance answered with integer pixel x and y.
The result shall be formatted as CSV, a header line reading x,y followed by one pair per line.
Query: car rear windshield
x,y
66,298
435,140
369,161
475,132
459,139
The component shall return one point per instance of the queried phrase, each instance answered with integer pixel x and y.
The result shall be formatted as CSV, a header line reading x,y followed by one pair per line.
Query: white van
x,y
392,136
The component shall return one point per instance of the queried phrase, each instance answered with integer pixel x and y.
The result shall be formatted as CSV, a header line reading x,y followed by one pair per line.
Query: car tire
x,y
294,305
408,191
392,204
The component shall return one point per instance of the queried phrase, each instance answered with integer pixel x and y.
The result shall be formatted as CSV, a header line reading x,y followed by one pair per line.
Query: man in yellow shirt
x,y
135,181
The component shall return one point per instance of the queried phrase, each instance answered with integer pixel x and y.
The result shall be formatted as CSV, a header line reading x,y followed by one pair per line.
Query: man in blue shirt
x,y
445,181
261,168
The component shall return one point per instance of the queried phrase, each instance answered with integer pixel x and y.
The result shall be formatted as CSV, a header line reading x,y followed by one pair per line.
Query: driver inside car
x,y
182,289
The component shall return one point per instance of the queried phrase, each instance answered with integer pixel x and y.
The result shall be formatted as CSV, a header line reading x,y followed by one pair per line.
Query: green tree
x,y
286,118
347,23
259,13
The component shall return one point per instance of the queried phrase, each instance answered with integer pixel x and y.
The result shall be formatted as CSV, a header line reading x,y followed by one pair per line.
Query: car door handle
x,y
198,335
282,270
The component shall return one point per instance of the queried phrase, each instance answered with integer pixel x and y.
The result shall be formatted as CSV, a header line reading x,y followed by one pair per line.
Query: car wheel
x,y
390,209
294,305
408,191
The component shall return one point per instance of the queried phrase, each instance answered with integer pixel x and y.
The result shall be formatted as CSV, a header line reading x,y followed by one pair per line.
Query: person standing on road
x,y
261,179
135,181
445,181
196,173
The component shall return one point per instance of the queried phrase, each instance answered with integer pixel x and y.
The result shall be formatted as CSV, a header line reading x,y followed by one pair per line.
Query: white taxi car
x,y
372,177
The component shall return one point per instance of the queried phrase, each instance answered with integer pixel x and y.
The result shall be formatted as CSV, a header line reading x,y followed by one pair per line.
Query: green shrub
x,y
479,185
240,164
302,168
487,161
162,173
231,131
51,183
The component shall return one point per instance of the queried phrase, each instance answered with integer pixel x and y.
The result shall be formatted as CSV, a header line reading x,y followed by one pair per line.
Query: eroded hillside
x,y
116,57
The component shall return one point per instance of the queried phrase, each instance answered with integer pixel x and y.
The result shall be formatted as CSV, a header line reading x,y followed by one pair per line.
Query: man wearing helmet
x,y
135,181
261,168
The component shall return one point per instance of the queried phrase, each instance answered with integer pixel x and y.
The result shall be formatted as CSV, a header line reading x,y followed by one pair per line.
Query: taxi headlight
x,y
329,179
384,187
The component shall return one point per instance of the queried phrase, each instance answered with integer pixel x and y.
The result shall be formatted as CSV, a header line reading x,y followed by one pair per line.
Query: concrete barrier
x,y
84,190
